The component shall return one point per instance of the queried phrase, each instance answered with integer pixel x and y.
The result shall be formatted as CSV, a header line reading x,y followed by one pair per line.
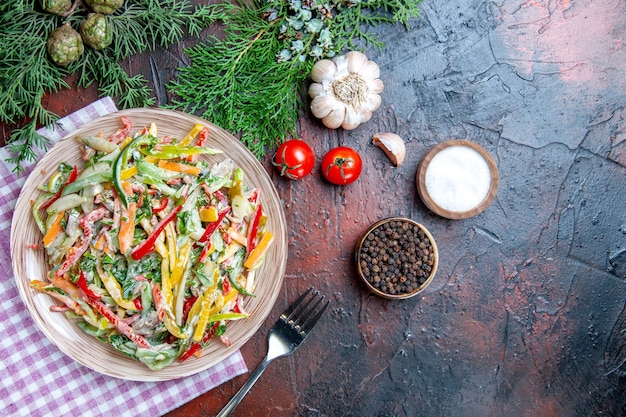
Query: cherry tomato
x,y
341,165
294,158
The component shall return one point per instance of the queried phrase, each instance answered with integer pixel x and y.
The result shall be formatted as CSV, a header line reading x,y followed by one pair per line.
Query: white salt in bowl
x,y
457,179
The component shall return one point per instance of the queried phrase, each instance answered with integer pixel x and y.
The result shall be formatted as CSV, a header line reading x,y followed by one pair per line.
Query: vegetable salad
x,y
151,249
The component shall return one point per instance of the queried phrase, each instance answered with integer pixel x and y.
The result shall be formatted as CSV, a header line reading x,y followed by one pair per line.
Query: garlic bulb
x,y
392,145
346,90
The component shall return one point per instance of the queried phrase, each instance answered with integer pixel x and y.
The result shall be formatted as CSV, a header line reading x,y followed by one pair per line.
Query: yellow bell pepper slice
x,y
114,288
172,245
166,283
191,135
208,311
181,264
259,251
129,172
229,252
208,214
195,310
166,290
125,142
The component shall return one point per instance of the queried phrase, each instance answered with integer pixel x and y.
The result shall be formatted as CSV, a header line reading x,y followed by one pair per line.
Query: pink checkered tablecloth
x,y
37,378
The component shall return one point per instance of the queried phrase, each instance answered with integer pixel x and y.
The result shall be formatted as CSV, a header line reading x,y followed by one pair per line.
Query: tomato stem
x,y
340,163
284,167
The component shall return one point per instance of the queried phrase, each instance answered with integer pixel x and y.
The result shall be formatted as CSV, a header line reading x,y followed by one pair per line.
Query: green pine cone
x,y
58,7
104,6
96,31
65,45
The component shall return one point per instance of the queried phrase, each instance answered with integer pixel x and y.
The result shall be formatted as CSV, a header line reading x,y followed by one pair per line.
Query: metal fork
x,y
292,327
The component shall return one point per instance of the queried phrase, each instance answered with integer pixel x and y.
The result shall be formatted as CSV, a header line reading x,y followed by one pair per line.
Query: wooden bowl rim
x,y
437,209
403,296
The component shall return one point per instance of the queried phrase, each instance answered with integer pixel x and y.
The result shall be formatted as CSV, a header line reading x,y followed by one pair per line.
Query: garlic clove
x,y
316,89
352,119
392,145
323,70
373,103
335,118
322,105
376,86
356,61
369,71
342,66
366,115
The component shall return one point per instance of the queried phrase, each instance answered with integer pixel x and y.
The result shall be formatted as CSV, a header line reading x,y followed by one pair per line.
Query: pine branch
x,y
238,83
26,74
251,82
25,150
24,69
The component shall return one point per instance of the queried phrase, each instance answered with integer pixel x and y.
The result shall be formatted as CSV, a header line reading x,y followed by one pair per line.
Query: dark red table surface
x,y
525,316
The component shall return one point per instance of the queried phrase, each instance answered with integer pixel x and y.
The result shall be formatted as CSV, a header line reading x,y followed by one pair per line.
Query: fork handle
x,y
234,402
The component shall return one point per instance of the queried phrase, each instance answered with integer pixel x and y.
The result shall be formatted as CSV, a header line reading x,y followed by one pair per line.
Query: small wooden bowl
x,y
362,264
461,173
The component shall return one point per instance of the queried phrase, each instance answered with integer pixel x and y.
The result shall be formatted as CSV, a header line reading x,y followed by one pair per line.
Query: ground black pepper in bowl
x,y
397,258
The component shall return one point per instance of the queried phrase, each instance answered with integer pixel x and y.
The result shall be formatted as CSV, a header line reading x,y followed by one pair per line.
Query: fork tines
x,y
303,315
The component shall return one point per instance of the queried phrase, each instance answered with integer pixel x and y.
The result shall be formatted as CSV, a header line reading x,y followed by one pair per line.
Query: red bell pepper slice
x,y
204,253
84,287
196,346
237,307
162,207
254,227
71,178
187,306
212,227
193,348
147,246
138,305
202,136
